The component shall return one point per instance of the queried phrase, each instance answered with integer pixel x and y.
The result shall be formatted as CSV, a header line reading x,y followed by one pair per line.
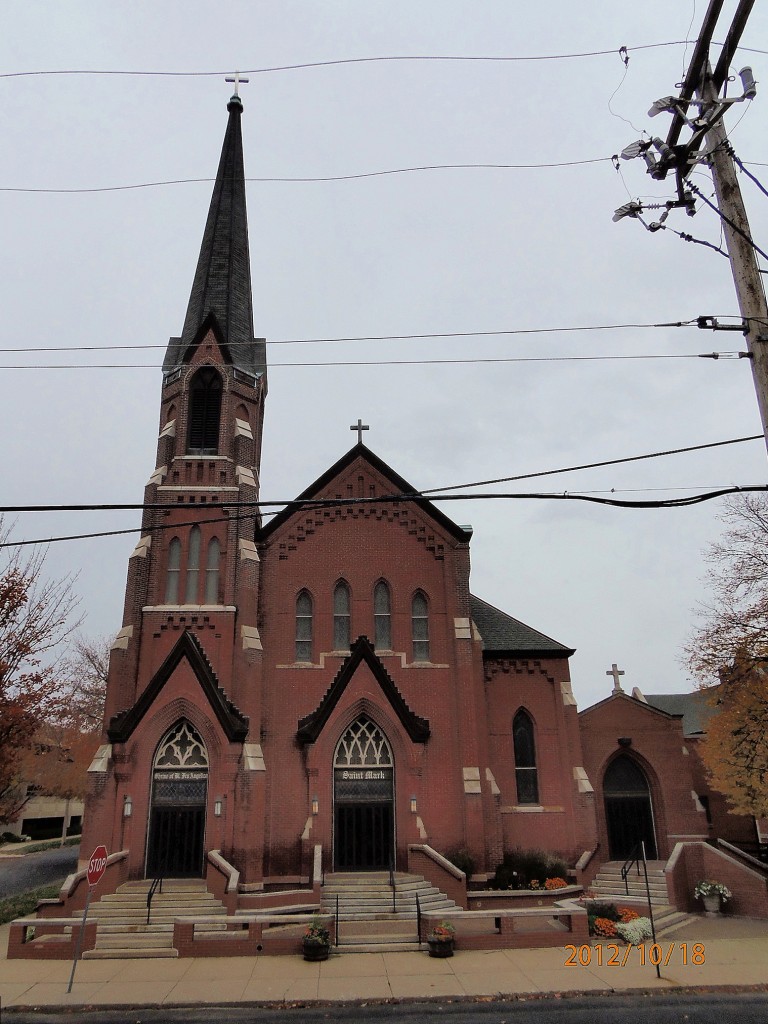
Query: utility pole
x,y
741,252
707,128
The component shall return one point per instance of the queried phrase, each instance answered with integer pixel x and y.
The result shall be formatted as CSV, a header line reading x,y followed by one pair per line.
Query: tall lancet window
x,y
212,572
204,412
304,627
420,627
193,566
526,774
174,567
341,630
382,617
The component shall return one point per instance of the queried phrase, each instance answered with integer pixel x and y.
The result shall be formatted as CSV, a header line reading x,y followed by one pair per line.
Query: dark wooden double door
x,y
628,810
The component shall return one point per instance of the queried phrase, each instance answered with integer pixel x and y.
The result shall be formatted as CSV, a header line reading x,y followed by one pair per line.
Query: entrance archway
x,y
363,796
175,846
628,809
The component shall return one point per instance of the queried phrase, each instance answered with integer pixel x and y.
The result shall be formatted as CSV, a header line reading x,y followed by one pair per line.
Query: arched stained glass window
x,y
193,566
174,567
212,571
303,627
382,617
526,775
420,627
341,619
205,392
363,744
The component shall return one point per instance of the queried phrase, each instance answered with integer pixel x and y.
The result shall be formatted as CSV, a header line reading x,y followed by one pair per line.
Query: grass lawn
x,y
22,849
25,902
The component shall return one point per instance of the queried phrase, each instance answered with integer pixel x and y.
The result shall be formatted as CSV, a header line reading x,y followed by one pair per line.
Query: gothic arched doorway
x,y
628,809
175,847
363,791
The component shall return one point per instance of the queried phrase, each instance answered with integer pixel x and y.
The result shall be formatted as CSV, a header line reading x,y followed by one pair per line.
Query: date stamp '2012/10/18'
x,y
613,955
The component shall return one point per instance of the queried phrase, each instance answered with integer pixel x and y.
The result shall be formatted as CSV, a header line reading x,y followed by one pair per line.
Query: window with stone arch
x,y
341,616
304,626
205,392
382,617
363,744
182,747
526,772
173,571
420,626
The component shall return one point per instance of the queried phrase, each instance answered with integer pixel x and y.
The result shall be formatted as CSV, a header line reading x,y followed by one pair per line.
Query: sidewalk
x,y
735,954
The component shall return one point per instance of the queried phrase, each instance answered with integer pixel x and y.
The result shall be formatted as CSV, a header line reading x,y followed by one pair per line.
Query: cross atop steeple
x,y
237,79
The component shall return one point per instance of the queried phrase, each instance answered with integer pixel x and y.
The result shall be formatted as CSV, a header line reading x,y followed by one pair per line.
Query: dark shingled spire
x,y
221,290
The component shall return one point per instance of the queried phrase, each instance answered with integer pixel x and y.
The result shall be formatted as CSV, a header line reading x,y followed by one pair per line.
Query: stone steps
x,y
608,883
122,915
367,922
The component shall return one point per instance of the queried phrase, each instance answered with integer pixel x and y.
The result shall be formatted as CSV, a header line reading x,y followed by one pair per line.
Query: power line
x,y
375,337
727,220
349,60
305,179
595,465
313,504
397,362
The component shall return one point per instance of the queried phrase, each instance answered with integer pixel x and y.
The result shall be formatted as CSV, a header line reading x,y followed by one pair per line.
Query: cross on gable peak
x,y
359,427
615,671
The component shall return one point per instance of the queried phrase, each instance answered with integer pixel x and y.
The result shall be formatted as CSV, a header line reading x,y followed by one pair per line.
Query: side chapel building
x,y
328,678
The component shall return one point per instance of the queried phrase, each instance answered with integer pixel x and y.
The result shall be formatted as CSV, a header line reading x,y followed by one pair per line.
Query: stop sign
x,y
97,865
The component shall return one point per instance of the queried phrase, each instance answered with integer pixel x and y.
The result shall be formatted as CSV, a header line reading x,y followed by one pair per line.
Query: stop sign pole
x,y
96,867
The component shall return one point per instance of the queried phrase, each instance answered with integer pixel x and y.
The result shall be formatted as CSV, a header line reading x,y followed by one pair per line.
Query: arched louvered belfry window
x,y
193,566
174,567
303,627
526,773
212,571
382,617
204,412
341,617
420,627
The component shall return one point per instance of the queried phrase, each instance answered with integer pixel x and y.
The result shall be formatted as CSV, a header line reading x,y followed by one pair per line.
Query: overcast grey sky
x,y
433,251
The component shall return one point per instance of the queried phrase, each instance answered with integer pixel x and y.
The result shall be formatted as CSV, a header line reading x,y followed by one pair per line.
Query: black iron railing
x,y
638,857
337,919
157,883
418,919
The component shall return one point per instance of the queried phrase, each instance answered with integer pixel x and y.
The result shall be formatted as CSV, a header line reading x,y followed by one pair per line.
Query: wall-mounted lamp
x,y
218,804
413,805
127,807
315,805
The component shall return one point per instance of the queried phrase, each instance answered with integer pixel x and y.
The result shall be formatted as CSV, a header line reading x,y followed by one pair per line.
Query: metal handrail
x,y
337,919
392,883
156,883
638,857
418,919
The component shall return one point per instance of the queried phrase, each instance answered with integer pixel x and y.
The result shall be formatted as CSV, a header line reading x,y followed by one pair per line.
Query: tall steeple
x,y
221,290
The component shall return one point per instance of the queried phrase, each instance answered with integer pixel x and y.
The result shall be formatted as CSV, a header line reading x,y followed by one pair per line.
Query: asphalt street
x,y
18,874
677,1008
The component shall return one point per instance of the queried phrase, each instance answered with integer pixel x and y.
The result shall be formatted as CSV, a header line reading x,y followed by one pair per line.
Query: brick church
x,y
327,680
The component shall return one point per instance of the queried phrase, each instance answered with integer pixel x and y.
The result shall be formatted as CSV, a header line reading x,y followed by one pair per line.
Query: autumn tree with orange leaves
x,y
729,652
35,618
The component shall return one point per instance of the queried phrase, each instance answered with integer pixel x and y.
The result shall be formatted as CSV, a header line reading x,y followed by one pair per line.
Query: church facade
x,y
328,679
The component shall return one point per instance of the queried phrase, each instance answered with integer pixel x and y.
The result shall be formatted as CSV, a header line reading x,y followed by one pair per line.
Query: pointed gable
x,y
362,652
233,723
322,490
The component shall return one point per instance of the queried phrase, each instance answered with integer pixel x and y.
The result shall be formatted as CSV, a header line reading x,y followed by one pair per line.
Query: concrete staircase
x,y
608,883
371,917
123,931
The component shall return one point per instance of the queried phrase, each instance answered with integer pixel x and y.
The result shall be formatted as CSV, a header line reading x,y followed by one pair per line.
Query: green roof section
x,y
501,634
696,708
